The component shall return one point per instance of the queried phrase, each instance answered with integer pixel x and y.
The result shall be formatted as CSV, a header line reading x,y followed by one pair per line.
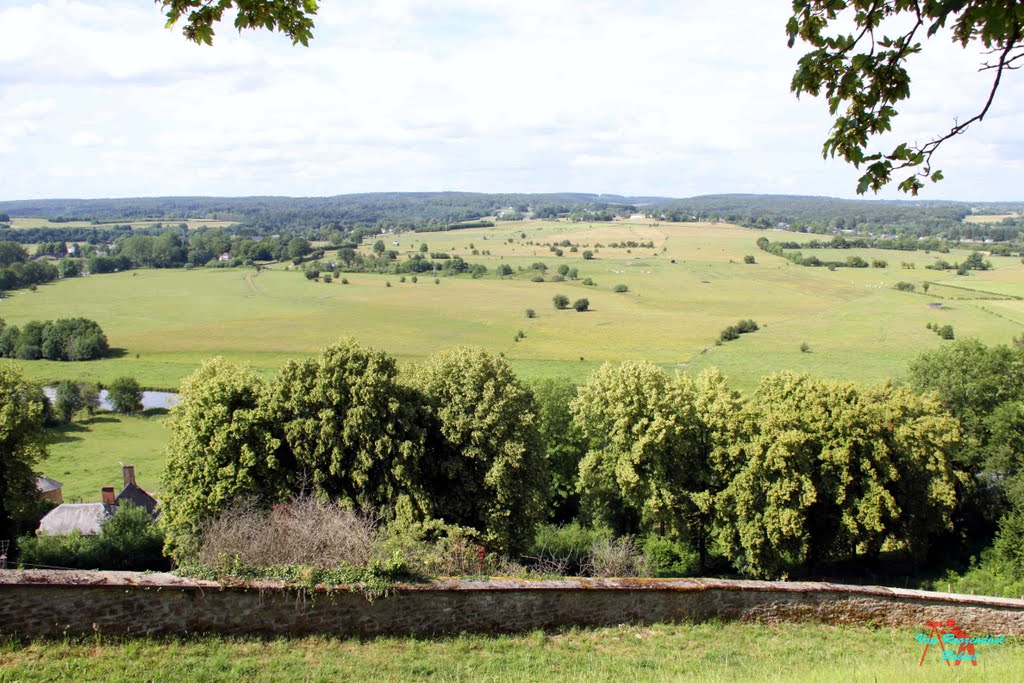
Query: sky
x,y
633,97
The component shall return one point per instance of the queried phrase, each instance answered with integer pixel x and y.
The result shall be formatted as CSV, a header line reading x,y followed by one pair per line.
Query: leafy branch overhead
x,y
291,17
863,73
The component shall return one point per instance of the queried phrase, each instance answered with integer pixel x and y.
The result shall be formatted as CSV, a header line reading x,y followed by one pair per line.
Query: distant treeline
x,y
941,219
66,339
376,211
16,270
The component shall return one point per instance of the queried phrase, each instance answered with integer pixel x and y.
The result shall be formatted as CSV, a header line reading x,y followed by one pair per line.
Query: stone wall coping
x,y
155,580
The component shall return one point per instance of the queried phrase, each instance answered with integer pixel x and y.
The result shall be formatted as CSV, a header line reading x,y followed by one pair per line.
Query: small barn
x,y
50,489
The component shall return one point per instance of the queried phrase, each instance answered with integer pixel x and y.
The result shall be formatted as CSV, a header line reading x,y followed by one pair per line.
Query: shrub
x,y
729,333
530,313
387,283
414,279
664,557
564,550
618,558
749,258
805,347
437,280
125,395
946,332
905,286
128,541
563,270
581,305
587,254
745,326
558,278
560,301
589,282
301,532
328,279
537,278
620,288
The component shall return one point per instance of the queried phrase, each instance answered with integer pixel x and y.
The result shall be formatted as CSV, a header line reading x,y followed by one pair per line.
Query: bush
x,y
616,559
530,313
620,288
745,326
558,278
128,541
905,286
560,301
125,395
589,282
437,280
537,278
300,532
805,347
749,258
729,333
665,557
581,305
946,332
564,550
344,280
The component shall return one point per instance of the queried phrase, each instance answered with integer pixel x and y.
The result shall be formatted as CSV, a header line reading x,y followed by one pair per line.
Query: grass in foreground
x,y
712,652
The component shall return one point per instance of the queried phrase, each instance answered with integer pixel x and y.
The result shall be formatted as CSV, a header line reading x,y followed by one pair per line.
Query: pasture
x,y
87,454
682,293
708,652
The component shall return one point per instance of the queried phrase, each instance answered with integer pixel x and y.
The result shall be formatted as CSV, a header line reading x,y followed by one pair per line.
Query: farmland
x,y
682,293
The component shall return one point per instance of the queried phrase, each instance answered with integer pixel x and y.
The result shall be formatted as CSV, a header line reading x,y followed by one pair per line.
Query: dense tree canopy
x,y
223,446
22,445
860,50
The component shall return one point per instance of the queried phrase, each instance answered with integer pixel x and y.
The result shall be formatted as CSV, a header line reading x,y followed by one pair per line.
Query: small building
x,y
87,518
935,305
226,256
50,489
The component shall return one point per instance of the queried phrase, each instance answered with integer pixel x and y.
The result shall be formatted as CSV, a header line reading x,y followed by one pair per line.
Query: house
x,y
50,489
87,518
226,256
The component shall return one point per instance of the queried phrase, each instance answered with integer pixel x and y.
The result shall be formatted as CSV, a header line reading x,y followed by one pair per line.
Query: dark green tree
x,y
858,57
125,395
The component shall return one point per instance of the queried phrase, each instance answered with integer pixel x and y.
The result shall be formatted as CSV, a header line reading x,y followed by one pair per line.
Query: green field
x,y
707,652
164,322
87,455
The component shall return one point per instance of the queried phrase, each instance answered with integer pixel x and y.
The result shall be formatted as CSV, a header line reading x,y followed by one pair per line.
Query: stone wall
x,y
37,603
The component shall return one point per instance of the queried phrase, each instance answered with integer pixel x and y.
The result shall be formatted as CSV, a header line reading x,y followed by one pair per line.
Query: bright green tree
x,y
125,395
655,449
352,428
22,446
224,446
830,471
564,445
486,469
68,400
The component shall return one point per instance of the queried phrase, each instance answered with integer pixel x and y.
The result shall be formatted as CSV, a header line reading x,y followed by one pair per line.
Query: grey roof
x,y
45,484
134,494
85,517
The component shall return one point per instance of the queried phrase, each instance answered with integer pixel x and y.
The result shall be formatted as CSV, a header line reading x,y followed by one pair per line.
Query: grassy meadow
x,y
682,293
87,454
707,652
37,222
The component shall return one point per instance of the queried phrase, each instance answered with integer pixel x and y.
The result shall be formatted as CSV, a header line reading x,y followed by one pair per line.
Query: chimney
x,y
108,495
129,474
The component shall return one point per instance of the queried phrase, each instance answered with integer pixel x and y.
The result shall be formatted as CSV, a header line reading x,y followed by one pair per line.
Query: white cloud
x,y
543,95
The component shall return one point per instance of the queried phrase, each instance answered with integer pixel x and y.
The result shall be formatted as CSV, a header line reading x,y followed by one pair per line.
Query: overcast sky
x,y
675,98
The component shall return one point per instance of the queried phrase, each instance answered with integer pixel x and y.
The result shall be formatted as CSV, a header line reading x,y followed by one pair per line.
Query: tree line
x,y
66,339
801,473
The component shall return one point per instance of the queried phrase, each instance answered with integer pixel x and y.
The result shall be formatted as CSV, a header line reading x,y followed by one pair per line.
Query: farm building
x,y
87,518
50,489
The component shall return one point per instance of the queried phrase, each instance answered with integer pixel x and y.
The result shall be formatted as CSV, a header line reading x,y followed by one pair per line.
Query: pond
x,y
150,399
